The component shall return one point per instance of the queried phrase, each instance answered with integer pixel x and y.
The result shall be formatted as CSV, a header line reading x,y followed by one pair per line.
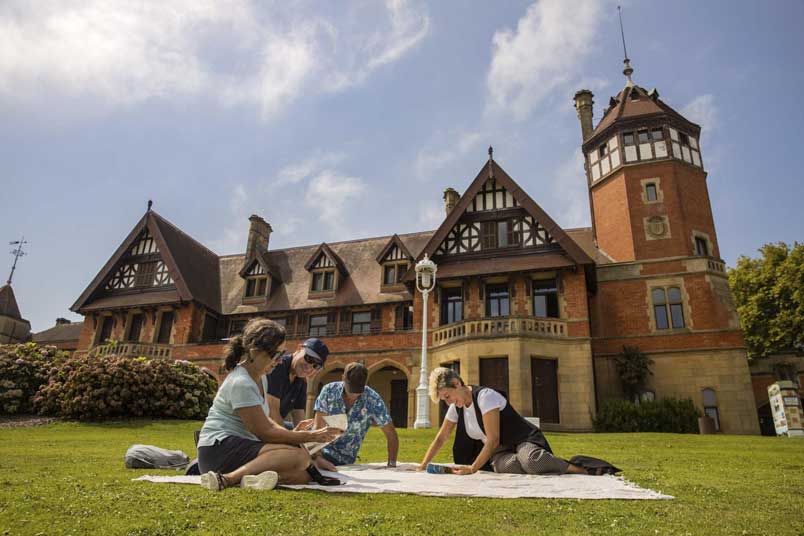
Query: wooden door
x,y
544,382
494,373
399,403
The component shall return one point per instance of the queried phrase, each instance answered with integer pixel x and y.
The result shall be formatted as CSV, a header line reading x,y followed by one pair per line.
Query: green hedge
x,y
98,388
24,368
666,415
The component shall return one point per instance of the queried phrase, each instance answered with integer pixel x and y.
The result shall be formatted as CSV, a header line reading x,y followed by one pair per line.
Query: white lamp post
x,y
425,282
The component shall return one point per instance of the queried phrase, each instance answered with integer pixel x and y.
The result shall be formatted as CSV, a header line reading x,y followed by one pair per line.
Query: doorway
x,y
544,383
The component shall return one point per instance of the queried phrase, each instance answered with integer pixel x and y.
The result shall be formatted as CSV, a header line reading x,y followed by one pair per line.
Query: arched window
x,y
710,406
668,309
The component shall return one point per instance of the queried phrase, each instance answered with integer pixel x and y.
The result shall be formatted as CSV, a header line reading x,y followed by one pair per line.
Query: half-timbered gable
x,y
142,268
495,219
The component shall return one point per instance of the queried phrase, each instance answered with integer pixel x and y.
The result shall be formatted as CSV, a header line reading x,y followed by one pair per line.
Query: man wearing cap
x,y
362,405
287,383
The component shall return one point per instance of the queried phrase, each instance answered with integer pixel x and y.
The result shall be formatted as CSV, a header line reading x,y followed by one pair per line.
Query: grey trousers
x,y
529,459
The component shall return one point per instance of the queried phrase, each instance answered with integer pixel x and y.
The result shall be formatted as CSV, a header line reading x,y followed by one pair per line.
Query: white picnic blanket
x,y
376,478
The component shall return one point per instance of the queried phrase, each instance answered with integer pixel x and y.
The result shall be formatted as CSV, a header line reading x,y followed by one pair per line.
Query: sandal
x,y
214,481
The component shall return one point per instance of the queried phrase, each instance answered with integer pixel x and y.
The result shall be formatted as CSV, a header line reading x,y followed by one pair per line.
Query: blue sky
x,y
337,121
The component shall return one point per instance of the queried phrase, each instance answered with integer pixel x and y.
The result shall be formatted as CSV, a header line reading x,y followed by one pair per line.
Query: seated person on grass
x,y
239,443
362,405
491,435
287,382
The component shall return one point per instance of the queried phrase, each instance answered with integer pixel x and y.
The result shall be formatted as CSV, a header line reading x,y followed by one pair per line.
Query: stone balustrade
x,y
499,327
131,349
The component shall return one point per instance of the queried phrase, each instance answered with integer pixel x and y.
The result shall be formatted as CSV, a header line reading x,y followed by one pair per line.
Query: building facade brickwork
x,y
521,304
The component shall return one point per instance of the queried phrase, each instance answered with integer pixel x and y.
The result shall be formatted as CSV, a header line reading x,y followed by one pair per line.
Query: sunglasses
x,y
313,361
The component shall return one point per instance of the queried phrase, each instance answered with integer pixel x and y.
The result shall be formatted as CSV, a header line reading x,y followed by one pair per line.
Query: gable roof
x,y
624,107
59,333
361,287
260,257
394,241
493,170
324,249
8,303
193,268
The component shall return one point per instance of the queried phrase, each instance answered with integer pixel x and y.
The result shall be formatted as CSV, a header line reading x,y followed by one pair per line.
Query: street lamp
x,y
425,282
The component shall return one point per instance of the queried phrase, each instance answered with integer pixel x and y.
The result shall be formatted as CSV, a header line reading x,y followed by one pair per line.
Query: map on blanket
x,y
377,478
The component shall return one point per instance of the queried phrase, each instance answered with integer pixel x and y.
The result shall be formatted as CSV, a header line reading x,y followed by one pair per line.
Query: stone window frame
x,y
129,320
657,182
711,406
709,246
665,284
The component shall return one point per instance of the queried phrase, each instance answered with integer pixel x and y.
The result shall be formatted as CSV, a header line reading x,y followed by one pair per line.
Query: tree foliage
x,y
769,294
633,366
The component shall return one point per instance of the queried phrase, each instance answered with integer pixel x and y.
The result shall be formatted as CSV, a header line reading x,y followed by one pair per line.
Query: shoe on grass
x,y
214,481
266,480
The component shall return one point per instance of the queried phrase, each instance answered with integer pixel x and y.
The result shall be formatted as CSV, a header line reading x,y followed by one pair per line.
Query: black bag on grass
x,y
594,466
150,457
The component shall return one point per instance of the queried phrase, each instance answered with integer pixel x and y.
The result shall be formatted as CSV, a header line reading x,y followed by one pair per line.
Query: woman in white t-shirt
x,y
239,444
490,435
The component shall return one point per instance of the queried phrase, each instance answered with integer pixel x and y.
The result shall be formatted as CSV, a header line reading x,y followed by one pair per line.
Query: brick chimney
x,y
583,105
259,234
451,198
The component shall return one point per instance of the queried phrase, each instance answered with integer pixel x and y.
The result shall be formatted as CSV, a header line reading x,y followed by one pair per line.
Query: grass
x,y
69,478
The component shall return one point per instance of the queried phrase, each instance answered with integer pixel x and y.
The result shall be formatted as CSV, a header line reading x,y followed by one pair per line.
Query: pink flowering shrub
x,y
23,369
98,388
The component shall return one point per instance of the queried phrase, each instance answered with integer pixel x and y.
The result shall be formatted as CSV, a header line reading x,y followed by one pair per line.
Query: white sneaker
x,y
266,480
213,481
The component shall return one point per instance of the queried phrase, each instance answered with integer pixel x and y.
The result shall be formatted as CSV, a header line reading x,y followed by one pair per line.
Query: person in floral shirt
x,y
362,406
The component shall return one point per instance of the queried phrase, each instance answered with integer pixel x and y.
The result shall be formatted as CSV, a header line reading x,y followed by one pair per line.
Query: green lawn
x,y
69,478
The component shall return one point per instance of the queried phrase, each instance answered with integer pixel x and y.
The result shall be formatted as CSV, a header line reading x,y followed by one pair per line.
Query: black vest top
x,y
514,429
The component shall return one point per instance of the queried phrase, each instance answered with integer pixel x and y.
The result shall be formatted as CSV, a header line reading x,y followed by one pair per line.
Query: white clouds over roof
x,y
238,51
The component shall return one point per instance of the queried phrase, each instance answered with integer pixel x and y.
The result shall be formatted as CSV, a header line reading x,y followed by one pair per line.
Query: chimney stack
x,y
259,233
583,105
451,198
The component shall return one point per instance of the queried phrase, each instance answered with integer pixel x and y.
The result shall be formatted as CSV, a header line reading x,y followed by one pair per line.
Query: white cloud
x,y
542,56
240,52
448,149
301,171
571,192
702,110
431,214
330,193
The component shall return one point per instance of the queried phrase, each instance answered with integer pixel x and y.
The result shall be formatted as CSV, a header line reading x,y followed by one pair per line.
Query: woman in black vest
x,y
491,434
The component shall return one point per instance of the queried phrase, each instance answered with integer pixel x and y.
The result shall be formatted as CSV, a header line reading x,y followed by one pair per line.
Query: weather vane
x,y
17,252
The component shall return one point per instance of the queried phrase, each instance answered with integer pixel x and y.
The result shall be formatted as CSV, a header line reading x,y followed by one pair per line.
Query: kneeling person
x,y
362,405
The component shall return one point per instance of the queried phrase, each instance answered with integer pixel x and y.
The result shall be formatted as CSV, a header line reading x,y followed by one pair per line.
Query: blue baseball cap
x,y
316,349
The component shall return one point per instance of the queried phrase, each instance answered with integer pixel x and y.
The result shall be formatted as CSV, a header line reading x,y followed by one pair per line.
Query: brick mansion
x,y
521,304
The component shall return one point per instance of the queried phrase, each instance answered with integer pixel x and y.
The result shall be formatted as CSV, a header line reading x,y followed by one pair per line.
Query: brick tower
x,y
665,289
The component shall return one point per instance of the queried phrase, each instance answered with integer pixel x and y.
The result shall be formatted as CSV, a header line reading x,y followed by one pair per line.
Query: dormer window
x,y
395,261
256,281
392,273
323,281
325,269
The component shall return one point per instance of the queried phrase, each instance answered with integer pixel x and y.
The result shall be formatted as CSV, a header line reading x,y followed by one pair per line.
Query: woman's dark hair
x,y
259,334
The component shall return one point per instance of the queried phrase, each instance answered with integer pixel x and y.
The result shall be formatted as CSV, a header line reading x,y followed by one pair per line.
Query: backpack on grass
x,y
150,457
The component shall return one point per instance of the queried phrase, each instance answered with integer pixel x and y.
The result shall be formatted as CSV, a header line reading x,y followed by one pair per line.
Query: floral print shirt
x,y
369,407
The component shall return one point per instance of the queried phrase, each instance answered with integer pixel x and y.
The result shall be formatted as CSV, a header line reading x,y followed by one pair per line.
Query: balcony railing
x,y
500,327
131,349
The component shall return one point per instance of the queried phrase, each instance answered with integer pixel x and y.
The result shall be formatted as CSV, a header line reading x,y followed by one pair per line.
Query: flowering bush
x,y
93,388
23,369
